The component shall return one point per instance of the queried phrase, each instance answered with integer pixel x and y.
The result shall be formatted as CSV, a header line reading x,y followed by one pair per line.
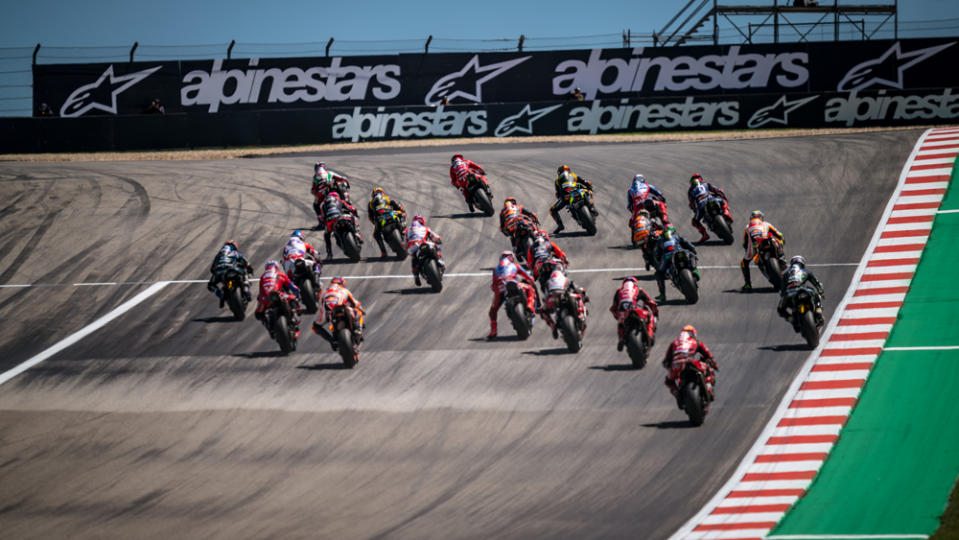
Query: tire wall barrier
x,y
252,102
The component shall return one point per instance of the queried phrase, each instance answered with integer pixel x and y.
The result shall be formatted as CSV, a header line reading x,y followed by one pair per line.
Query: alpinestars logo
x,y
777,113
467,83
92,96
522,121
886,70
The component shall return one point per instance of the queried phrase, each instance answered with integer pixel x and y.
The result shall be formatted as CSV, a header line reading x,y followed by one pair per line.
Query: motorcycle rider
x,y
510,217
566,181
794,278
416,234
642,194
275,280
333,208
698,194
325,181
628,296
460,169
334,296
227,259
683,349
542,251
379,203
757,231
553,290
506,271
667,245
298,248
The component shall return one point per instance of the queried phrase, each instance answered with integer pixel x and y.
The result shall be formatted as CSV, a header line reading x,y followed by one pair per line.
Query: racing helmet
x,y
541,234
695,180
562,169
231,243
271,264
298,234
506,254
757,214
338,280
640,178
333,195
456,157
690,330
420,218
509,200
798,259
631,278
377,191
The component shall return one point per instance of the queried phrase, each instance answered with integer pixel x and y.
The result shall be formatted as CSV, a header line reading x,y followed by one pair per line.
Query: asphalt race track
x,y
175,421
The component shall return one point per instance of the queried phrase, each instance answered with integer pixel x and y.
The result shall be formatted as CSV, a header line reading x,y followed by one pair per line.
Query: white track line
x,y
380,276
84,332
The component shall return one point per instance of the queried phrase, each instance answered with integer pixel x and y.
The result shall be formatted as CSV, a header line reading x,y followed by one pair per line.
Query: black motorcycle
x,y
681,270
638,340
392,226
569,314
578,203
523,237
771,262
801,304
232,288
519,314
344,334
427,260
717,221
306,276
344,232
282,323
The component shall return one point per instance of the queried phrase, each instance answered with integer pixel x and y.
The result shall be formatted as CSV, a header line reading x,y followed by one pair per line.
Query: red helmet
x,y
690,330
338,280
335,195
455,157
271,264
631,278
420,218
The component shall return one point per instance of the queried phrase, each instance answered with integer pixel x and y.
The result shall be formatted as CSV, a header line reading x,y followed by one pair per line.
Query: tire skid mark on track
x,y
837,370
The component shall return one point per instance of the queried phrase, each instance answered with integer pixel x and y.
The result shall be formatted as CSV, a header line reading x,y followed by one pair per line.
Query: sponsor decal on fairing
x,y
778,112
522,121
102,93
434,123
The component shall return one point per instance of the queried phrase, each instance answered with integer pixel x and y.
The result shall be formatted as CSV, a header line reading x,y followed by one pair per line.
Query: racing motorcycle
x,y
282,323
479,191
519,313
640,226
636,334
803,315
231,289
427,260
306,276
681,270
568,310
546,270
717,221
577,202
523,237
344,335
655,211
771,262
344,232
393,227
694,396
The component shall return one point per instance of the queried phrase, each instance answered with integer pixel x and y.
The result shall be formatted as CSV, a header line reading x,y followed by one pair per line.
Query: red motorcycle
x,y
694,387
636,335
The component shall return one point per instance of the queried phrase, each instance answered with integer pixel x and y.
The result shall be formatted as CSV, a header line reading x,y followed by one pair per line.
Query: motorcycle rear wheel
x,y
693,403
517,316
567,325
308,295
396,243
351,247
687,285
587,221
281,330
722,230
481,201
235,299
809,330
344,339
636,348
432,275
774,274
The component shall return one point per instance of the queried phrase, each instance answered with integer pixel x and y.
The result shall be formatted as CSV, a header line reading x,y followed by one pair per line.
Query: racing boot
x,y
748,282
492,330
622,339
416,279
702,231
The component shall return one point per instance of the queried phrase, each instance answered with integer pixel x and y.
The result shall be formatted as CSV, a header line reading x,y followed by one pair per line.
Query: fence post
x,y
426,48
328,45
35,51
133,49
521,39
229,50
655,39
629,37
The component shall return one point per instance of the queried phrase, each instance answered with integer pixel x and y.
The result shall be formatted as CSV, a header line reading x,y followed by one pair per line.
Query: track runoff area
x,y
876,398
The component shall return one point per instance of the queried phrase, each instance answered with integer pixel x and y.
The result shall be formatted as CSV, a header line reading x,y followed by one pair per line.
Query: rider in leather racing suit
x,y
297,248
794,278
628,296
540,251
566,181
275,280
554,289
506,271
756,232
229,258
511,215
460,169
698,194
338,295
641,194
685,347
416,234
379,203
668,243
325,181
333,208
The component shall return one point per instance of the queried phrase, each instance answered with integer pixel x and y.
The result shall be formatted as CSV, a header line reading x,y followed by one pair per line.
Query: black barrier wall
x,y
310,126
218,86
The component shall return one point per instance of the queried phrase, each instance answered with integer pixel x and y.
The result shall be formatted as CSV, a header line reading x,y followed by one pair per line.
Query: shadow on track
x,y
332,366
670,424
413,290
571,234
221,319
615,367
261,354
549,352
496,339
752,291
789,347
